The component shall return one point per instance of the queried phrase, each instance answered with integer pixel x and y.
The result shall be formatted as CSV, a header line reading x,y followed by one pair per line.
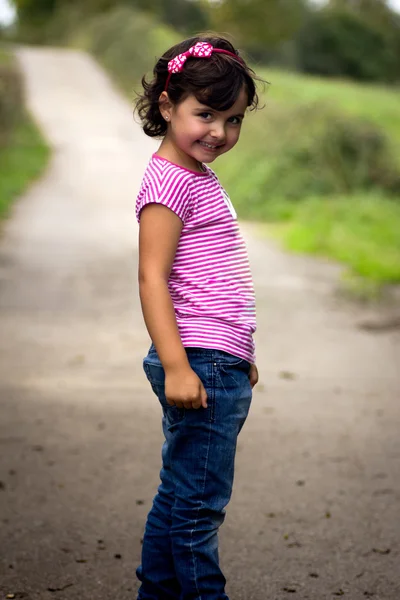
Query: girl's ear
x,y
165,105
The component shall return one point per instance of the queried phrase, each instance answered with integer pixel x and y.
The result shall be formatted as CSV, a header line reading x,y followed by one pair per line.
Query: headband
x,y
199,50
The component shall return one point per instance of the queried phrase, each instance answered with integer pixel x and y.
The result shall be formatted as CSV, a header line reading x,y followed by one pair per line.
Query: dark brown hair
x,y
214,81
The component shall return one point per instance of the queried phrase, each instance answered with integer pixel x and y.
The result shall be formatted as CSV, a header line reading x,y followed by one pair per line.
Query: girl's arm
x,y
159,233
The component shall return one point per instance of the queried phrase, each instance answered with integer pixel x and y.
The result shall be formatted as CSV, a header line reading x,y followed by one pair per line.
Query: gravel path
x,y
316,509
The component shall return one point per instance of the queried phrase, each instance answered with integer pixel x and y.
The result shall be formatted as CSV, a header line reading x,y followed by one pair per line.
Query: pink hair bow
x,y
199,50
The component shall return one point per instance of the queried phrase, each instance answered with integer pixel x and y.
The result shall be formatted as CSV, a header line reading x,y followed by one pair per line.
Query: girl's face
x,y
197,133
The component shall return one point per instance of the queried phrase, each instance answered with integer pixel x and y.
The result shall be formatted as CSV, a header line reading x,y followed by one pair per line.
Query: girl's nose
x,y
218,132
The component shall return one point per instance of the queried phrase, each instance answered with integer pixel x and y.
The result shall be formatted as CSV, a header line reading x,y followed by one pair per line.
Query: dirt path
x,y
316,510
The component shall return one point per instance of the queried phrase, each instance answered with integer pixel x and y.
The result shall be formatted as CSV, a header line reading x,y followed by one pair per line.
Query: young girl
x,y
198,305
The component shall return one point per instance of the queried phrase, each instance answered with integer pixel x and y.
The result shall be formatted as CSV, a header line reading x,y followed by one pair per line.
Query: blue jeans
x,y
180,545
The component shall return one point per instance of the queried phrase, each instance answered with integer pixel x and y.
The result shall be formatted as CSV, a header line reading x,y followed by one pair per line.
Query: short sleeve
x,y
172,191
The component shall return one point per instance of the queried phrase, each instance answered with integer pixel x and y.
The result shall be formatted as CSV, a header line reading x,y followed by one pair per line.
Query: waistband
x,y
208,353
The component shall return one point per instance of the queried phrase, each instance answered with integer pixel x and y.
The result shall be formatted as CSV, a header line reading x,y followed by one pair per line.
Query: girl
x,y
199,308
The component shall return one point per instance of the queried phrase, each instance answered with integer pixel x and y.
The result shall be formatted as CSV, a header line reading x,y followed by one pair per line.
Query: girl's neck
x,y
173,154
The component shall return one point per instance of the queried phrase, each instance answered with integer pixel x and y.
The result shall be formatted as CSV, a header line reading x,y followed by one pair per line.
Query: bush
x,y
330,153
126,42
341,42
306,150
23,152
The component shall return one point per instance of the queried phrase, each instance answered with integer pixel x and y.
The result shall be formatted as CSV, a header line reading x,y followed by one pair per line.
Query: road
x,y
316,508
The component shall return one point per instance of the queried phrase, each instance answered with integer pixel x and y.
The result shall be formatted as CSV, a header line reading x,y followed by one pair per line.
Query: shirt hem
x,y
215,346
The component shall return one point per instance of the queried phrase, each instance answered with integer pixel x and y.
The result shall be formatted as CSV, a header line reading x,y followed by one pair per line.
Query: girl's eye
x,y
205,115
235,120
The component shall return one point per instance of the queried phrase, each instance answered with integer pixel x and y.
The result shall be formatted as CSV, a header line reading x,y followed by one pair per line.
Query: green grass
x,y
377,103
361,232
22,161
5,57
25,154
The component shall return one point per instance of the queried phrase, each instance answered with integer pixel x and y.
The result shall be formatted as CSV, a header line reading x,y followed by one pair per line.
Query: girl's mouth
x,y
209,147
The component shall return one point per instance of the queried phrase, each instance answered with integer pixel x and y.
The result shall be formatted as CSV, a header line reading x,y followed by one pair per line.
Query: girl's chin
x,y
208,159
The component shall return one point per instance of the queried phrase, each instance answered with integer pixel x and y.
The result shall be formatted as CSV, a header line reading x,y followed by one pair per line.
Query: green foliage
x,y
358,228
31,8
361,231
21,161
188,16
259,25
33,17
321,151
307,150
359,39
126,42
340,40
374,103
11,97
23,153
52,21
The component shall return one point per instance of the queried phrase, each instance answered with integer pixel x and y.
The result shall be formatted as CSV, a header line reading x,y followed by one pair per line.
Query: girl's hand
x,y
253,375
184,389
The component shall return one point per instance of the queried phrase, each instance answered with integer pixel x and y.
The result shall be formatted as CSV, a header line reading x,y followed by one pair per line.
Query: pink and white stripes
x,y
210,282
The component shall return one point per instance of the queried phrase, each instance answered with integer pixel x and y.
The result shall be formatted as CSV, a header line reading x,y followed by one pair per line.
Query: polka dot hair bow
x,y
199,50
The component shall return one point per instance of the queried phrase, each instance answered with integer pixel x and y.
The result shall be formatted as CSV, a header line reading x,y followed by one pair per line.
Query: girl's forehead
x,y
239,106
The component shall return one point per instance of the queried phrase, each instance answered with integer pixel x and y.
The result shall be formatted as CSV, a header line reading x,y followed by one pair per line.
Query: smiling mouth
x,y
209,146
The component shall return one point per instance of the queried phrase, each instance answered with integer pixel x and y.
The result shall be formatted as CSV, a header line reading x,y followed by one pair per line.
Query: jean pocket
x,y
156,376
227,362
233,374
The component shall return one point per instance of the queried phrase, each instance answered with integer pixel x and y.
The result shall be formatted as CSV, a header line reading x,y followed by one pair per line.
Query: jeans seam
x,y
213,379
203,488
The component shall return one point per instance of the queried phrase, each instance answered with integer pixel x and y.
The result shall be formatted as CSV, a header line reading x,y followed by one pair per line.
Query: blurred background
x,y
318,170
319,165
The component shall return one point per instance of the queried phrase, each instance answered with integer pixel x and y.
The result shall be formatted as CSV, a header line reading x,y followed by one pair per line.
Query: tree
x,y
260,24
350,39
34,8
186,15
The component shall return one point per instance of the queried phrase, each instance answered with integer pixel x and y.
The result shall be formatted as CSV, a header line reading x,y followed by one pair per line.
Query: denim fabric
x,y
180,545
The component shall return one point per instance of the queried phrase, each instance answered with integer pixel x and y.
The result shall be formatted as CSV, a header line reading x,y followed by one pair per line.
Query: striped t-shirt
x,y
210,281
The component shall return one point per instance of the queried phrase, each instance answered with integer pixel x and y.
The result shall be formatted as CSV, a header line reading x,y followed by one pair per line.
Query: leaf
x,y
59,589
294,545
288,375
381,551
